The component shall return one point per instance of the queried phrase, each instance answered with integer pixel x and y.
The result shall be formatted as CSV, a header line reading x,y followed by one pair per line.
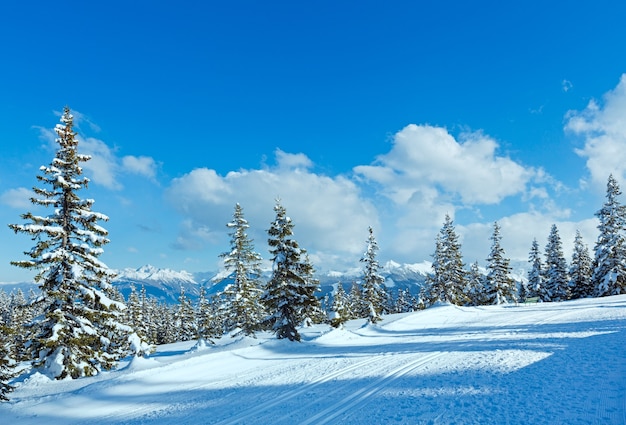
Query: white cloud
x,y
292,161
17,198
329,213
603,129
423,157
103,165
141,165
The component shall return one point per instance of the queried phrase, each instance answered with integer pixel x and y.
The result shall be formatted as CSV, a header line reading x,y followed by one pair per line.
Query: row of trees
x,y
550,280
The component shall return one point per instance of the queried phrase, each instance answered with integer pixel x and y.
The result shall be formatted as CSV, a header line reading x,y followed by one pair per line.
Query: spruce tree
x,y
358,307
555,286
81,332
475,286
340,309
580,283
536,271
373,291
290,294
241,308
185,318
7,362
448,280
500,286
609,265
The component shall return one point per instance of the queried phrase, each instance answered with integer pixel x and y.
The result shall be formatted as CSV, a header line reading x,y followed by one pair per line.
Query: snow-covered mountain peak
x,y
149,272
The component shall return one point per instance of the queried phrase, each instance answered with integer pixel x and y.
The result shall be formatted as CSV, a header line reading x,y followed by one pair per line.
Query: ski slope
x,y
551,363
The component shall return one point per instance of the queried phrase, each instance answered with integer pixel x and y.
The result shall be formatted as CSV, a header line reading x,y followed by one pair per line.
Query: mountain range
x,y
166,284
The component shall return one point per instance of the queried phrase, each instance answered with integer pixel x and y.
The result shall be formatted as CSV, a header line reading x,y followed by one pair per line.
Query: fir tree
x,y
448,279
185,318
340,309
580,283
609,266
475,287
500,286
290,294
242,309
555,286
209,324
536,271
358,307
80,333
7,363
373,291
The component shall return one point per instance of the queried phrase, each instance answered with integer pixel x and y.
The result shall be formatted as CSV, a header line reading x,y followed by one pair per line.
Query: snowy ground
x,y
553,363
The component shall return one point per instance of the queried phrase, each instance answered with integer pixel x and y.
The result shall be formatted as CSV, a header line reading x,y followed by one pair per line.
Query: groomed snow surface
x,y
551,363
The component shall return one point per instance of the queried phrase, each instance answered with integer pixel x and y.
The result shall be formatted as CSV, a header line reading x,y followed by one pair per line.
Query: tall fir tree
x,y
609,265
358,307
81,331
373,290
475,286
536,271
555,287
500,285
185,318
241,308
580,283
7,362
290,293
448,280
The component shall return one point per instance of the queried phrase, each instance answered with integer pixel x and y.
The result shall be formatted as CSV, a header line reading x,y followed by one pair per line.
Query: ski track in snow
x,y
560,363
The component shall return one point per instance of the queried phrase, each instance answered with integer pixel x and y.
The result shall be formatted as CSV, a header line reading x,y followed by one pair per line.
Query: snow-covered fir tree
x,y
164,319
241,308
580,284
134,314
185,318
358,307
500,286
81,331
7,362
609,265
373,291
340,308
448,279
536,271
555,287
290,294
210,323
475,291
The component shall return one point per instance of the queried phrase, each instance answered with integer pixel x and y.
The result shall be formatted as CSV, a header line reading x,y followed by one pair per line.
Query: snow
x,y
546,363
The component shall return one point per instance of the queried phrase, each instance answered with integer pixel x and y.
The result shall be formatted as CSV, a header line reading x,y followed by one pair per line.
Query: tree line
x,y
549,278
80,324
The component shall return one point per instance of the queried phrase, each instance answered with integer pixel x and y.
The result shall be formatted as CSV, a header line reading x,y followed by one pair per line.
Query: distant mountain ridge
x,y
166,284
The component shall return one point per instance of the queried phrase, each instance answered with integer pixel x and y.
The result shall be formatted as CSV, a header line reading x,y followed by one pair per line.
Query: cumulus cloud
x,y
141,165
17,198
104,165
423,157
603,129
329,213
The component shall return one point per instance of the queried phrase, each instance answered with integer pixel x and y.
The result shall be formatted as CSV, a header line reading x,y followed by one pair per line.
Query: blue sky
x,y
389,114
